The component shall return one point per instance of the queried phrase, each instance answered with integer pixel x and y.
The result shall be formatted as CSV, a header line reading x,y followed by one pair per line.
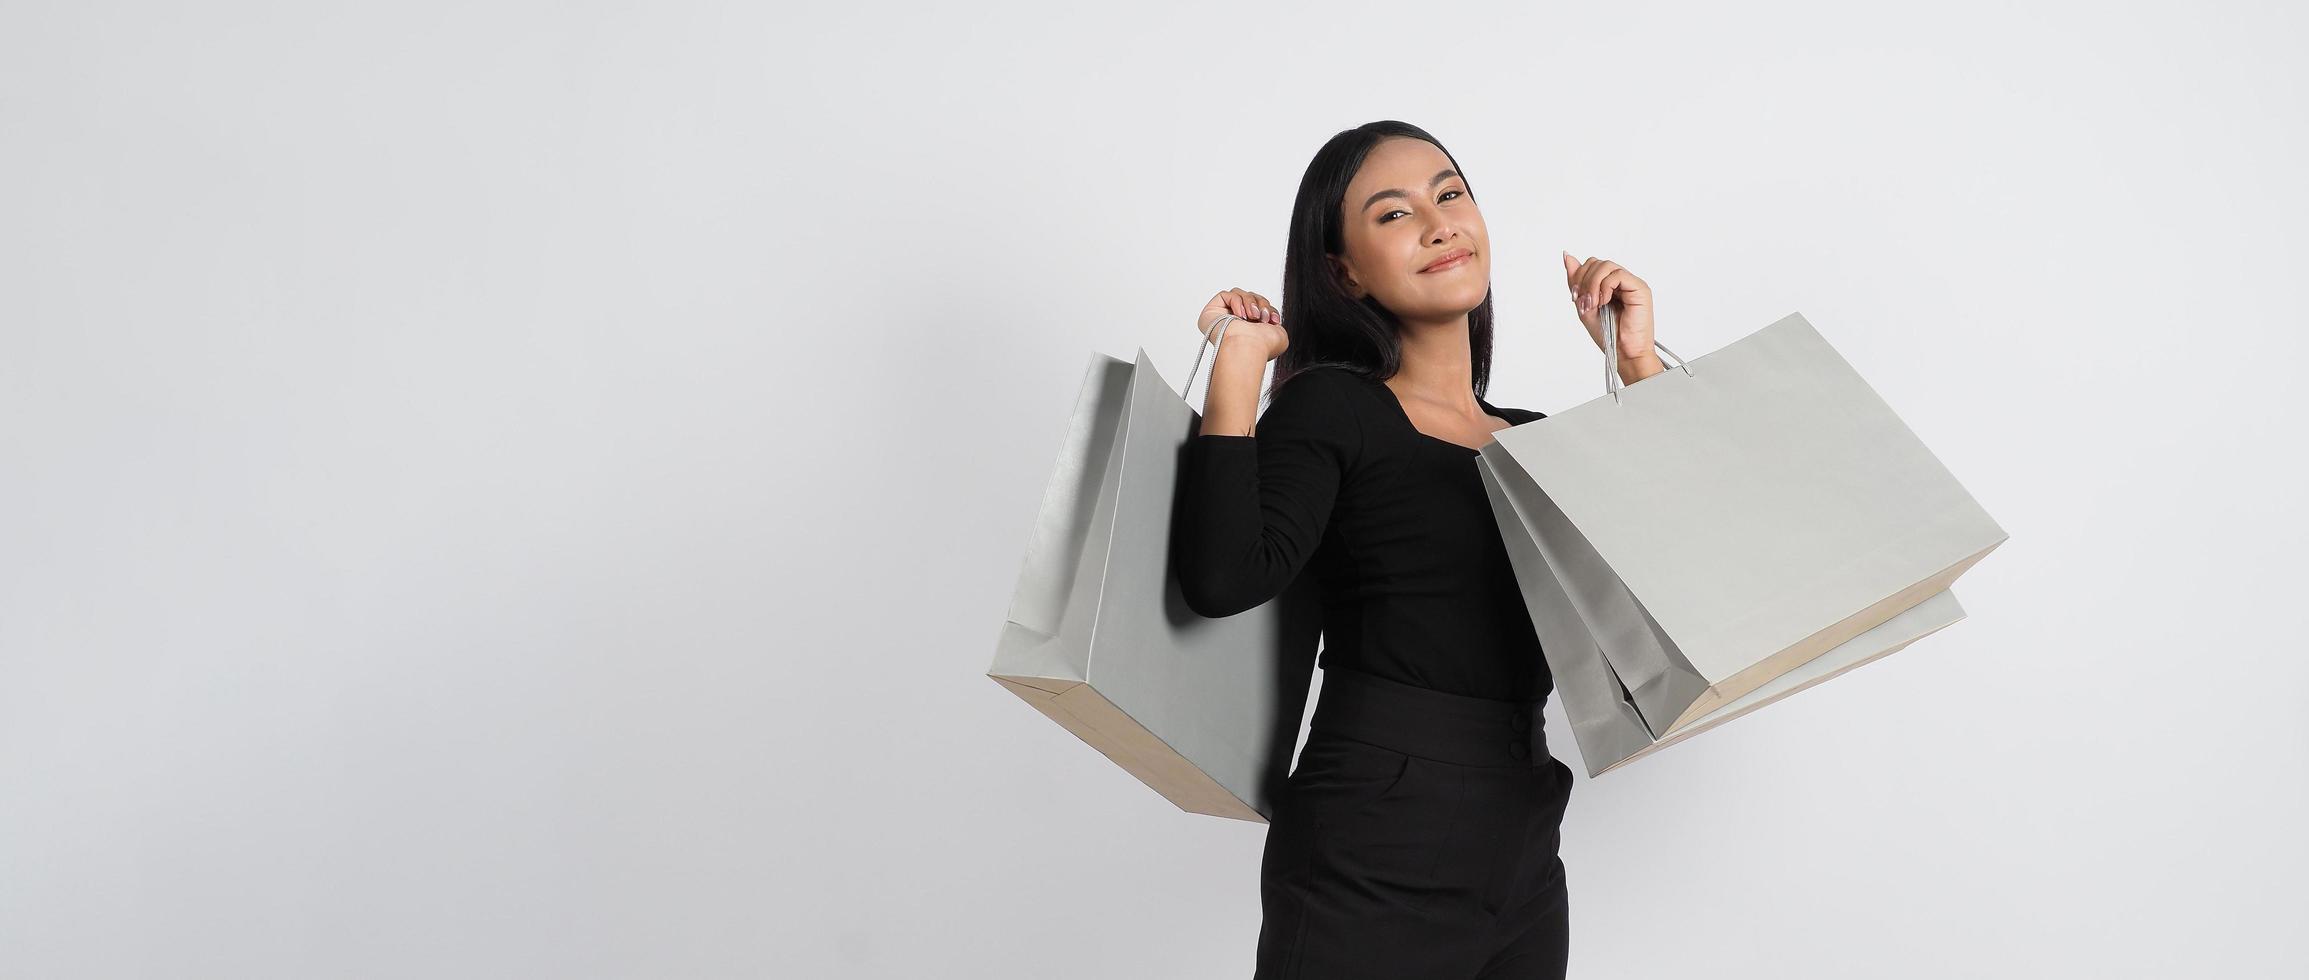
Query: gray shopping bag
x,y
1205,711
1605,722
1714,528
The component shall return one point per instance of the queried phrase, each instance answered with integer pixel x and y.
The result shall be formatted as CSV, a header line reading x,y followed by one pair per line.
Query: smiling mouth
x,y
1452,263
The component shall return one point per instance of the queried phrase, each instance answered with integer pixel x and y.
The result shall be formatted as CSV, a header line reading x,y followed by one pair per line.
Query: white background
x,y
530,490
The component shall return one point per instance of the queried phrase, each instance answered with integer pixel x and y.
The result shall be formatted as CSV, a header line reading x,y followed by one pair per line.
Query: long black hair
x,y
1329,327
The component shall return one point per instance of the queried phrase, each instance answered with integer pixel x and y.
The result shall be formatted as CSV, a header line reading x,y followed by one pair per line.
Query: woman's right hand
x,y
1261,318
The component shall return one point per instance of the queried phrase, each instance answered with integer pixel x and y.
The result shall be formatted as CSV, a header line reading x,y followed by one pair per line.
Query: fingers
x,y
1252,306
1600,292
1241,303
1581,278
1594,276
1595,282
1572,268
1591,275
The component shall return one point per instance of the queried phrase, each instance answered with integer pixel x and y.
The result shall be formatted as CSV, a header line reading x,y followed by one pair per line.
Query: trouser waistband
x,y
1430,724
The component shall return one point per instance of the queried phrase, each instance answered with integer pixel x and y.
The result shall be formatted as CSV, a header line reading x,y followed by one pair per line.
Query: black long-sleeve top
x,y
1394,523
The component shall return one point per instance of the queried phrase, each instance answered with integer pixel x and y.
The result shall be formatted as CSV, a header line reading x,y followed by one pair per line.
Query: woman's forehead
x,y
1398,164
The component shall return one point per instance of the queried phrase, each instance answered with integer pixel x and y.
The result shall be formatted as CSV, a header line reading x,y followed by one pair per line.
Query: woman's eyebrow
x,y
1446,174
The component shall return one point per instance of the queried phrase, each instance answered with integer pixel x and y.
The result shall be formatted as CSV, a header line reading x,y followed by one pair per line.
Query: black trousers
x,y
1417,838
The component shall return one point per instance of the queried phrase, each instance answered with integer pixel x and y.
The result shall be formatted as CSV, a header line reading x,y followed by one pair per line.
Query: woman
x,y
1417,836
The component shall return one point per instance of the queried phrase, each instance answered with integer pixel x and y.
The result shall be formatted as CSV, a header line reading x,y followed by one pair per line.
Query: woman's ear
x,y
1346,276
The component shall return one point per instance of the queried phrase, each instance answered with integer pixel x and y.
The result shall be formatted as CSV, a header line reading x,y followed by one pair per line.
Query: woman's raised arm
x,y
1255,506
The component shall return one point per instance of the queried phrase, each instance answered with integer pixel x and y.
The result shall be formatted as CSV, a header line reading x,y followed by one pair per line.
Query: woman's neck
x,y
1437,367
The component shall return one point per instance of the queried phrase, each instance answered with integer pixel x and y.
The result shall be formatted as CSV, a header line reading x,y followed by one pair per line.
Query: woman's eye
x,y
1389,216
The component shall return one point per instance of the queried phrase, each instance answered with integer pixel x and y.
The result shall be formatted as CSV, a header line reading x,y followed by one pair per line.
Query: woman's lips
x,y
1451,263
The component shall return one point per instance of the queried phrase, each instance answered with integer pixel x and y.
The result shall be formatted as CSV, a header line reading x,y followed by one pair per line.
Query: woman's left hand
x,y
1598,281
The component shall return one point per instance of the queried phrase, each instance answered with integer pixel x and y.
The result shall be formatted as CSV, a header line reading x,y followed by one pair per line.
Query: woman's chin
x,y
1464,304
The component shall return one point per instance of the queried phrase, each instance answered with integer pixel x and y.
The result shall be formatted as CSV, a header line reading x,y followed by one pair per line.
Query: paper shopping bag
x,y
1716,526
1205,711
1605,722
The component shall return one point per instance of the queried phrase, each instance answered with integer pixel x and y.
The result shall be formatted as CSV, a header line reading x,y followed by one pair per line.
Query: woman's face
x,y
1405,210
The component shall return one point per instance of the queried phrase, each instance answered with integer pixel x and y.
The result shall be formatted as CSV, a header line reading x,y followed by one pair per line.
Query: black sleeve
x,y
1254,507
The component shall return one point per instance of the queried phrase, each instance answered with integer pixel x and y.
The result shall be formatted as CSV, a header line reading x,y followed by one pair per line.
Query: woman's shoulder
x,y
1323,384
1321,400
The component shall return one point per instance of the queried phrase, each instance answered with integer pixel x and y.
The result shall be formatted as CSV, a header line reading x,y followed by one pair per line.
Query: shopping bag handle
x,y
1611,356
